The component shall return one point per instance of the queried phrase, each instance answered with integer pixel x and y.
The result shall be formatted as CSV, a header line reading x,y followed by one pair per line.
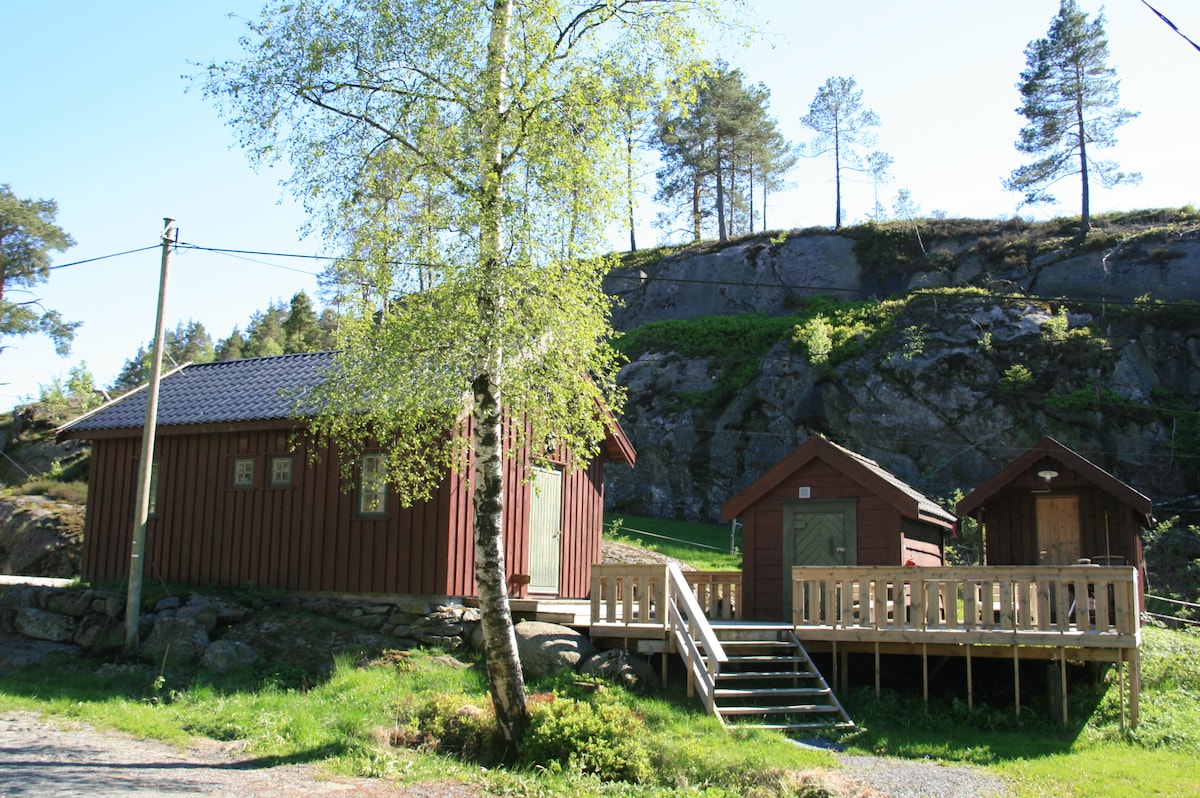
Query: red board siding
x,y
880,538
307,536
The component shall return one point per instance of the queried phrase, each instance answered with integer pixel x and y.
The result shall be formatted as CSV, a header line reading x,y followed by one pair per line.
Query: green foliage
x,y
1016,378
595,735
912,342
851,328
65,399
817,339
452,723
1055,328
73,492
735,346
28,235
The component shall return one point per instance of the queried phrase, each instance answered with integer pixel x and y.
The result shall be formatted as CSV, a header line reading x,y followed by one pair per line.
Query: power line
x,y
103,257
1170,24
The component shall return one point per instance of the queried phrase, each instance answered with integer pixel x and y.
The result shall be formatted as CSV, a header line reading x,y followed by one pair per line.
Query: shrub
x,y
596,736
1016,377
72,492
452,723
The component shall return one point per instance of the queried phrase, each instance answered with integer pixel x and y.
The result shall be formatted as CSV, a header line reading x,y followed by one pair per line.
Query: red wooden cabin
x,y
238,501
1052,506
826,505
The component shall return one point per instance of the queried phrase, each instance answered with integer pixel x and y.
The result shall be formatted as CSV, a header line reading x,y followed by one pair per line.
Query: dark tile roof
x,y
254,389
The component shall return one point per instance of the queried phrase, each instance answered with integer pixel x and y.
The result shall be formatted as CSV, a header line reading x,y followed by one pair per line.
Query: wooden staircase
x,y
768,681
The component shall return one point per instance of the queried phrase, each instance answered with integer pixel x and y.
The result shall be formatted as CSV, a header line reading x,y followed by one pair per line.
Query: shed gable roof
x,y
1049,447
248,390
907,500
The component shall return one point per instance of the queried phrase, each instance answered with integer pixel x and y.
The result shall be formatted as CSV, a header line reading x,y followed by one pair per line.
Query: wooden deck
x,y
1076,613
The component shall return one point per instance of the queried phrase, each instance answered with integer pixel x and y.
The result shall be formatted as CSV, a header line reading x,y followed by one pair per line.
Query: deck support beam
x,y
970,682
1017,677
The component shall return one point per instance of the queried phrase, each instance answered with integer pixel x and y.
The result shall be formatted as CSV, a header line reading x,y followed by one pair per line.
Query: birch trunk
x,y
499,640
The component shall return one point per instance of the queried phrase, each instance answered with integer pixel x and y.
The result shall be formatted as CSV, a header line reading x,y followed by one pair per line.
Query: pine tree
x,y
714,151
1070,97
28,235
843,126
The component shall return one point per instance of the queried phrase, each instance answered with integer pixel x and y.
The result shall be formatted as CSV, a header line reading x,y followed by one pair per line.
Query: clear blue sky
x,y
99,117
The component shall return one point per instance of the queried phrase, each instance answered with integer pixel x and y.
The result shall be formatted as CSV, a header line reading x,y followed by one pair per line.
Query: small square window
x,y
243,472
281,472
152,509
372,485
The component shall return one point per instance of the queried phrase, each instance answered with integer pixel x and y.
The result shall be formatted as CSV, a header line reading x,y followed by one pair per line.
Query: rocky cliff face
x,y
956,386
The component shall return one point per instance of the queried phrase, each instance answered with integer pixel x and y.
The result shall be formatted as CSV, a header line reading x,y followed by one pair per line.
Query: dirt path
x,y
40,757
48,756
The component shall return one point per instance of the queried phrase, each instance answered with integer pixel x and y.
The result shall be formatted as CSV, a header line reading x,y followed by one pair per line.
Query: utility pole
x,y
146,464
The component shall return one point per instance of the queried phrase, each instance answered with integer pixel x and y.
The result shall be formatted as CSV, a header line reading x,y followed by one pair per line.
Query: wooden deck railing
x,y
1013,605
633,595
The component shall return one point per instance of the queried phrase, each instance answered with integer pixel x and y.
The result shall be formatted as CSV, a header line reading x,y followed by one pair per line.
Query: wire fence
x,y
1186,606
615,529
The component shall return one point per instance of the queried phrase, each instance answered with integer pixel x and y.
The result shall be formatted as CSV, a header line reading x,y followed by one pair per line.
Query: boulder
x,y
224,656
19,652
546,648
100,632
45,625
176,639
627,670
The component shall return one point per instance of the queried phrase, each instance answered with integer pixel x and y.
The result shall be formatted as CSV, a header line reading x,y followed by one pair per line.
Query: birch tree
x,y
508,112
1069,95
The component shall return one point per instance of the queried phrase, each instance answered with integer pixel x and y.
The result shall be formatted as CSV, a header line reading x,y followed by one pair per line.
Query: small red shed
x,y
1052,506
826,505
237,499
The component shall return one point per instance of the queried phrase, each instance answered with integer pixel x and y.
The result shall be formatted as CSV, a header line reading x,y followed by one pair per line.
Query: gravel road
x,y
47,756
42,757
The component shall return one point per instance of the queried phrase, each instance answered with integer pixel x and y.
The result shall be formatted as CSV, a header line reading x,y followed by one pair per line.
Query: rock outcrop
x,y
949,391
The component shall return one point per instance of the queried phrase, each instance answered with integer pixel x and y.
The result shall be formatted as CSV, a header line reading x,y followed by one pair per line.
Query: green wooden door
x,y
545,532
823,533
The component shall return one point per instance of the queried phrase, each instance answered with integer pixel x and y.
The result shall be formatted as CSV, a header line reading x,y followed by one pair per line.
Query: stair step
x,y
783,659
785,709
743,724
780,675
731,692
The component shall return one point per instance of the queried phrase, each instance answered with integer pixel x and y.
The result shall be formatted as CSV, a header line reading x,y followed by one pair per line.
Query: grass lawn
x,y
705,546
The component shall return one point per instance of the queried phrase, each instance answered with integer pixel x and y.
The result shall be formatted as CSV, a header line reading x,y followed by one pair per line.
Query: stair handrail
x,y
692,631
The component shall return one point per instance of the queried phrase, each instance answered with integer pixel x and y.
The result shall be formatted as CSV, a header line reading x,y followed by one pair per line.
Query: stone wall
x,y
222,634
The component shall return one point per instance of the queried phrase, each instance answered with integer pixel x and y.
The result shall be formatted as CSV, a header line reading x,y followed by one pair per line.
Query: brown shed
x,y
1051,506
826,505
236,502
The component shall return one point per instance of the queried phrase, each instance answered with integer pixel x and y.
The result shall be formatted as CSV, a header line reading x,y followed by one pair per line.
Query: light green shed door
x,y
823,533
545,531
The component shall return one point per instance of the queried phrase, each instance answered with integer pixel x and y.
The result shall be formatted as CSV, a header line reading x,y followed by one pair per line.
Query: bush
x,y
452,723
72,492
595,735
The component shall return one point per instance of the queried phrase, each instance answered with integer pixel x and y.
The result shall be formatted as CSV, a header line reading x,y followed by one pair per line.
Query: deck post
x,y
1017,677
1121,686
970,682
878,692
833,662
1063,660
925,673
1135,686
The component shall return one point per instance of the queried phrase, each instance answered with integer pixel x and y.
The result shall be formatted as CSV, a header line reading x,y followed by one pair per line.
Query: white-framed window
x,y
153,506
243,472
281,471
372,485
